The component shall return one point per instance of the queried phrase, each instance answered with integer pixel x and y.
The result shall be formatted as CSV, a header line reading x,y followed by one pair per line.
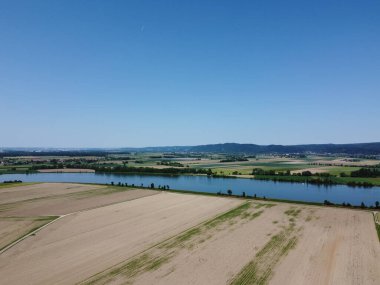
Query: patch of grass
x,y
255,215
376,218
378,230
157,262
293,212
9,185
182,238
145,262
6,207
259,270
37,219
228,215
310,215
266,205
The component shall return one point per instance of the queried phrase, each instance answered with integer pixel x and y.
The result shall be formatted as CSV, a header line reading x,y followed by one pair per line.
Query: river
x,y
269,189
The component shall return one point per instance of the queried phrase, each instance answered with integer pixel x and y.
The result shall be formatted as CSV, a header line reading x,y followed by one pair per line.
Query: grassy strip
x,y
376,218
163,252
259,270
10,185
20,171
228,216
293,212
378,230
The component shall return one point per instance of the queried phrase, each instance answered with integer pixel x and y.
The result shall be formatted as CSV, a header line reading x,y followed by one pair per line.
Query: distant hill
x,y
157,149
358,148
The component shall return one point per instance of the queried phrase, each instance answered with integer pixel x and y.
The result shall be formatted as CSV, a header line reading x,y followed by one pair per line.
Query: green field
x,y
332,165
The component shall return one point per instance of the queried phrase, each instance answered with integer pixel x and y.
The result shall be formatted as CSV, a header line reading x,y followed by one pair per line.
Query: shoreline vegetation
x,y
325,170
364,177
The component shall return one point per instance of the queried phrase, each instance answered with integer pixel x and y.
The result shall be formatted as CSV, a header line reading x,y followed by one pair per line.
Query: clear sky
x,y
152,73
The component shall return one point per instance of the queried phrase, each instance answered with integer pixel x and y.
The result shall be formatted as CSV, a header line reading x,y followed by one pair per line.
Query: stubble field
x,y
152,237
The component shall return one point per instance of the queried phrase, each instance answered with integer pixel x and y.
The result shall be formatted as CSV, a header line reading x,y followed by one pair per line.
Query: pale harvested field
x,y
82,244
337,247
12,228
47,199
280,244
67,170
40,190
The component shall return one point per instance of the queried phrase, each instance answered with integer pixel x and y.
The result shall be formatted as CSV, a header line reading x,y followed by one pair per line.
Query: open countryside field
x,y
217,164
85,243
45,199
261,243
153,237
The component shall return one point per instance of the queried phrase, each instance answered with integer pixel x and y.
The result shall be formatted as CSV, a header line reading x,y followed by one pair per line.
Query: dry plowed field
x,y
62,198
152,237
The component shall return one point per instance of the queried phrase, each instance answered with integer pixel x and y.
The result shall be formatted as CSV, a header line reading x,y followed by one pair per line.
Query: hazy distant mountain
x,y
158,149
358,148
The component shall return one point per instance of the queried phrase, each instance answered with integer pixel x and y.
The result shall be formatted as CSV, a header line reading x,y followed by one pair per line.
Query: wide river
x,y
269,189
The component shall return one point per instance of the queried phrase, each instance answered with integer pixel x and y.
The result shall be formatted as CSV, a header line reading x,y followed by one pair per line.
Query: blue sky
x,y
150,73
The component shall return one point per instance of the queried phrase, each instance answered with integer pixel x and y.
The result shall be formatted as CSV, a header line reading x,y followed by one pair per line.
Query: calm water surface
x,y
270,189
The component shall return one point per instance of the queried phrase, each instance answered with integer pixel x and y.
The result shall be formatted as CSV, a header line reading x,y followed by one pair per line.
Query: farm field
x,y
217,165
314,163
12,228
262,243
153,237
45,199
84,243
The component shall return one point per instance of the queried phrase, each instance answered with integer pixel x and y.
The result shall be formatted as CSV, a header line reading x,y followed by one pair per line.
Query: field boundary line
x,y
29,234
